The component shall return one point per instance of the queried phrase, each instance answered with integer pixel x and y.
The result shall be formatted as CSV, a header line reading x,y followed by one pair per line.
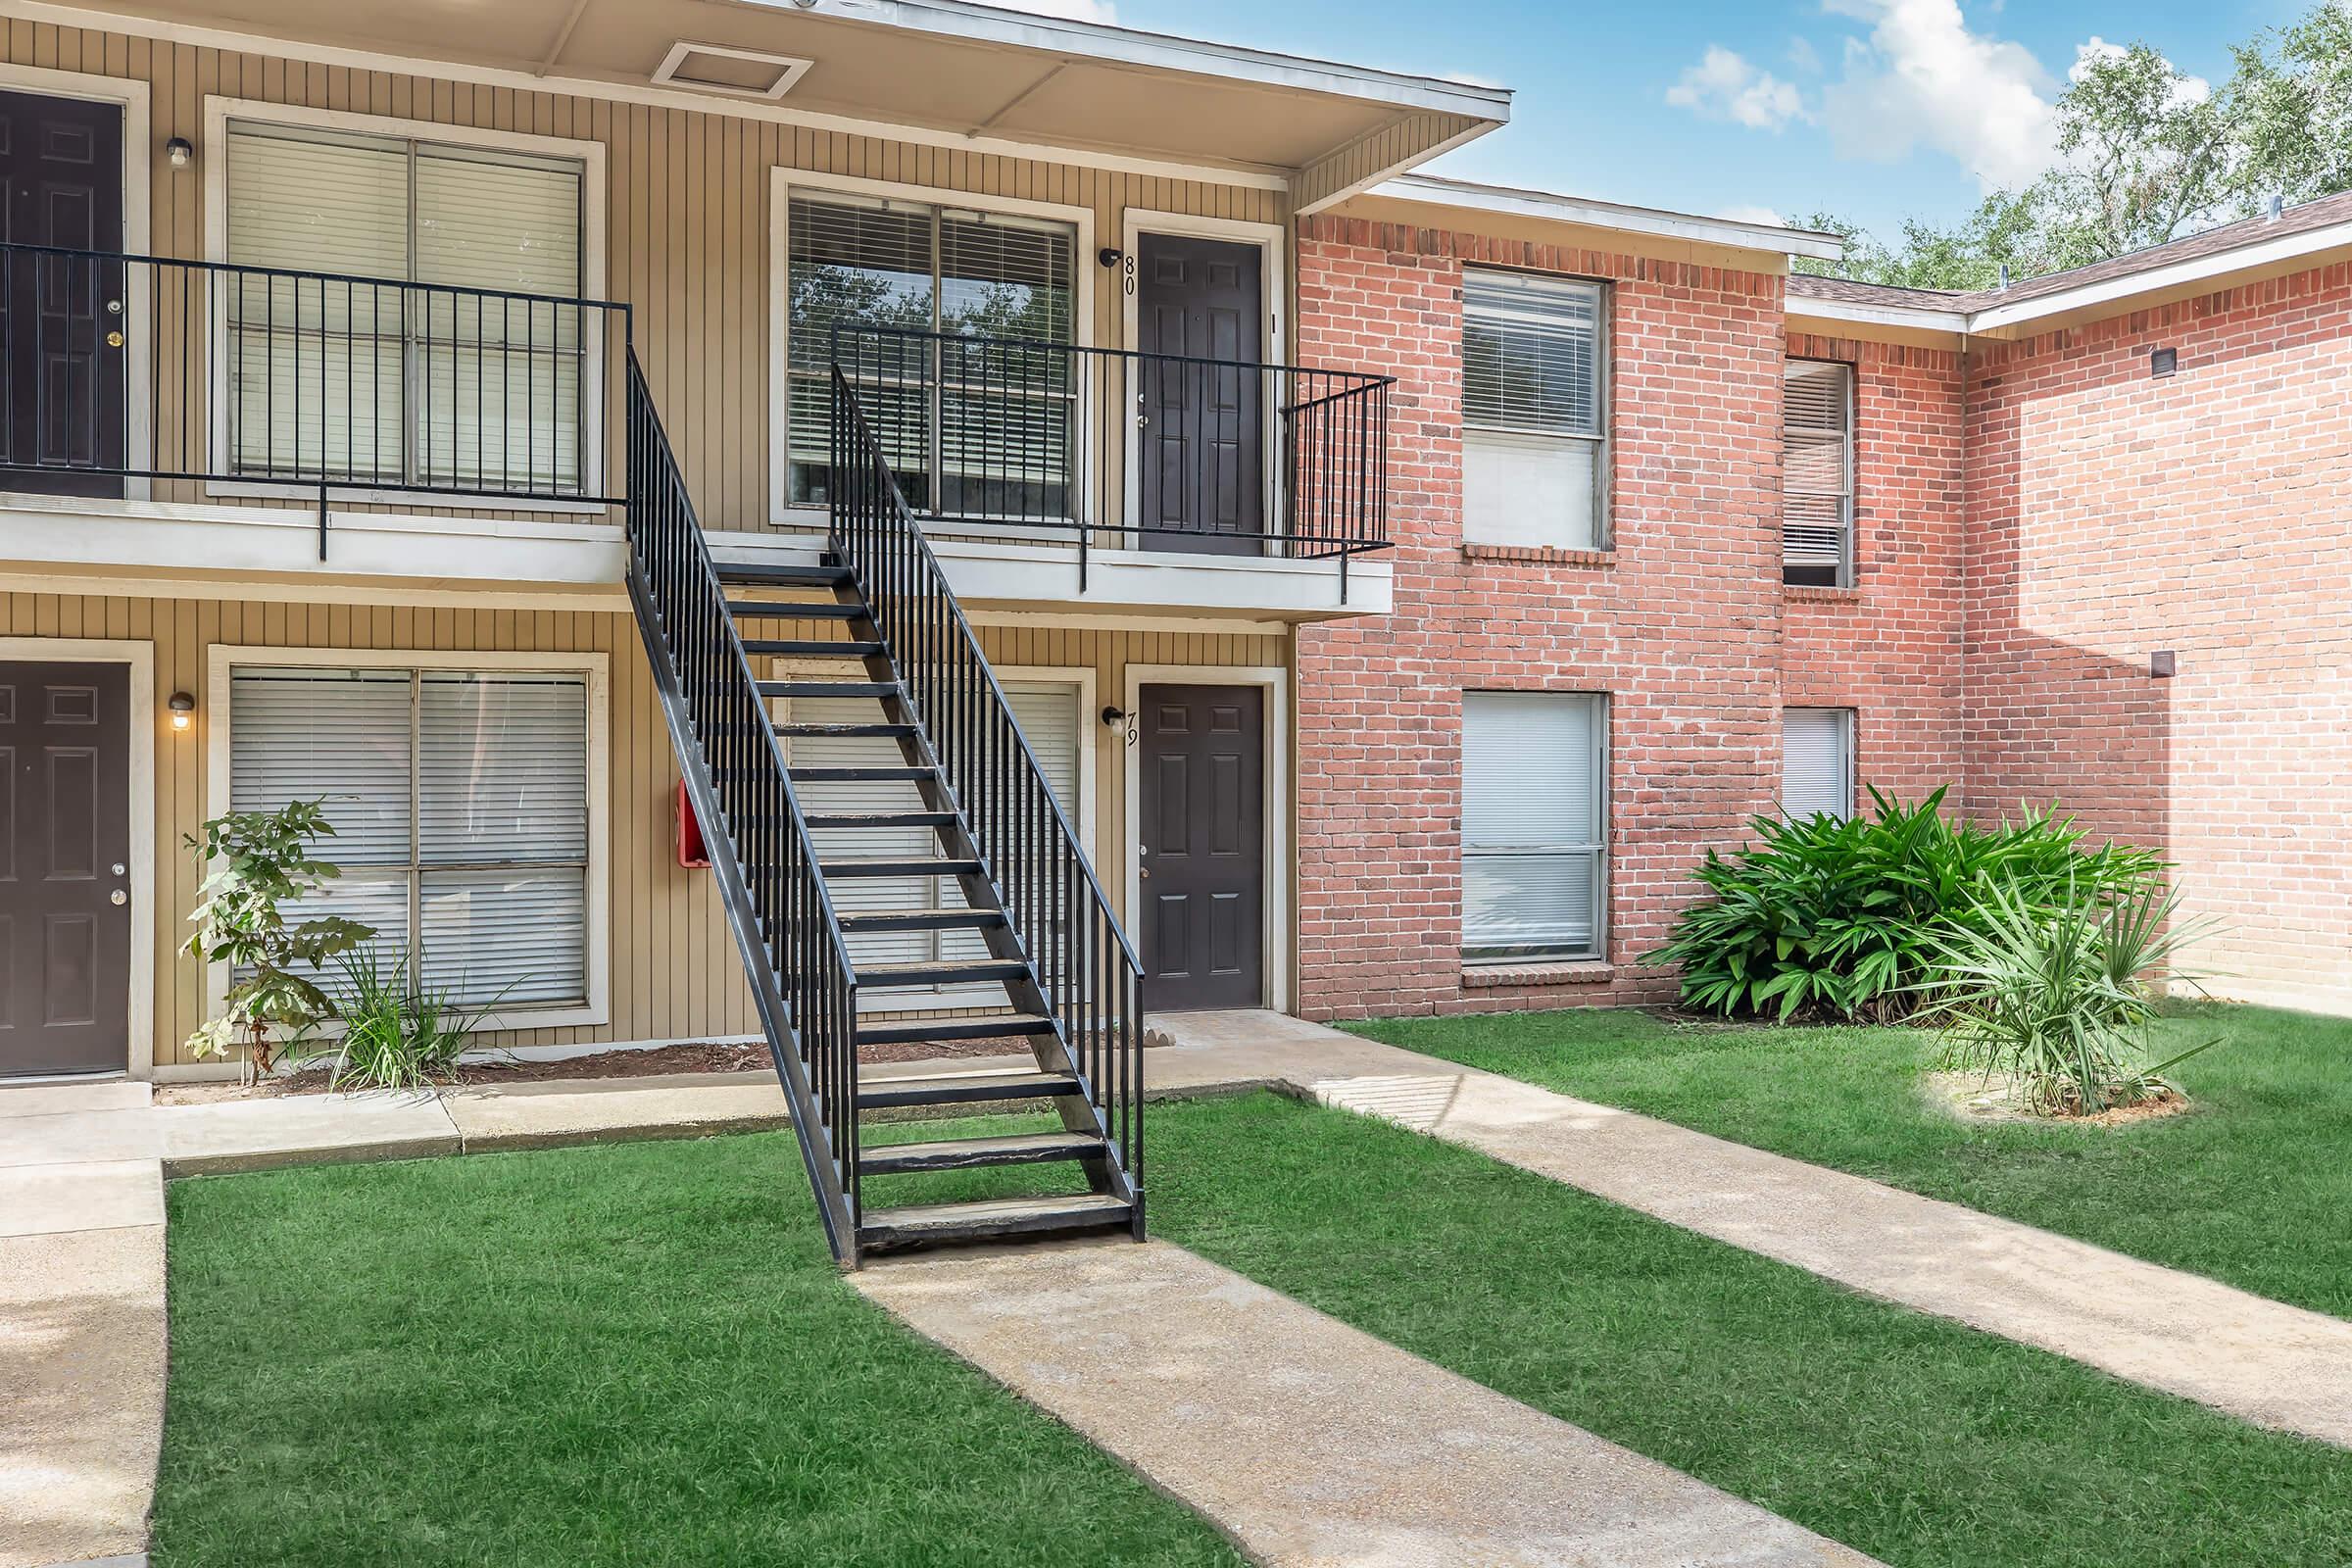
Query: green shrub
x,y
1842,918
395,1035
2053,1000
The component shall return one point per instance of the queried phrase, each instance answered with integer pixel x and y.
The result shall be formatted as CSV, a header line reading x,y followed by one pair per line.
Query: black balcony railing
x,y
156,370
1157,450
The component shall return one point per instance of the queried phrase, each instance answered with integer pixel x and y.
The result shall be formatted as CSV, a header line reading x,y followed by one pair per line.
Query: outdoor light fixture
x,y
179,150
1112,713
183,709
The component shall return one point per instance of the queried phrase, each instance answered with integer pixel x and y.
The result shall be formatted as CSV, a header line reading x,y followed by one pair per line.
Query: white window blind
x,y
1817,763
459,803
389,384
1534,824
1816,472
975,433
1534,411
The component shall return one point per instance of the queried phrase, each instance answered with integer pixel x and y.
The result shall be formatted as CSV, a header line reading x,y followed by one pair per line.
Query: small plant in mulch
x,y
2053,1001
257,863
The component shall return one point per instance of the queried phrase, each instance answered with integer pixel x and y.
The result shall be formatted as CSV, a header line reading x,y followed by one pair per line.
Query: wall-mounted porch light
x,y
183,709
181,151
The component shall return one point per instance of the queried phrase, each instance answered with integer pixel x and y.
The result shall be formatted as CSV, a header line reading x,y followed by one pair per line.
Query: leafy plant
x,y
2054,999
396,1035
1843,918
257,863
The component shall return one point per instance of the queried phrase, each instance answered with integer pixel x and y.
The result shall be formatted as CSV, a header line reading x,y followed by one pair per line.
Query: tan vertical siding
x,y
686,212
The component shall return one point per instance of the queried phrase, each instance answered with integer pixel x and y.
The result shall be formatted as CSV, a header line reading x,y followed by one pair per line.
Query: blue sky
x,y
1875,109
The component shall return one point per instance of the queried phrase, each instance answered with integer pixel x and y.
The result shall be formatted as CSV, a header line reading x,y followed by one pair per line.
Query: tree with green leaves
x,y
2146,154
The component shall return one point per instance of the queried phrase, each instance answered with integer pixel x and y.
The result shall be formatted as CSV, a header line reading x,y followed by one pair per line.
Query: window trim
x,y
221,660
1848,533
1606,845
1604,443
1849,723
784,185
219,111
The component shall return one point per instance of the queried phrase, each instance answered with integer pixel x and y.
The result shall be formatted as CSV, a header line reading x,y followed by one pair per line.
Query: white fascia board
x,y
1158,583
2196,270
1154,51
1557,209
1923,317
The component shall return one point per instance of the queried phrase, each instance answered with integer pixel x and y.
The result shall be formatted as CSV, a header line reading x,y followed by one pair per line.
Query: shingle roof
x,y
2321,214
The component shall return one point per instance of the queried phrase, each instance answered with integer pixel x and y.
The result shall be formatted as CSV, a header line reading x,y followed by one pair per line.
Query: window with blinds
x,y
1817,763
1817,473
459,803
392,384
1535,824
984,429
1534,411
1048,714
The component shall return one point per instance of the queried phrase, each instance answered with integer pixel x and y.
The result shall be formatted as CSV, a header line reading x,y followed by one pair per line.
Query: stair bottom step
x,y
991,1218
969,1153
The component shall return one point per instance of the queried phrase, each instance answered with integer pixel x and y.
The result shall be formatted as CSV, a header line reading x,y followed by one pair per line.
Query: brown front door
x,y
1202,855
63,319
65,855
1201,434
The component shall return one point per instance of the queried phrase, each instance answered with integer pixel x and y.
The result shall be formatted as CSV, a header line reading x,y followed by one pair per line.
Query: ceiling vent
x,y
722,69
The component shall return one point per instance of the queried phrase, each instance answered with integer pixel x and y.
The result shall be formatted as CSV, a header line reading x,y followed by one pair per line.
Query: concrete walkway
x,y
2269,1363
1310,1443
82,1321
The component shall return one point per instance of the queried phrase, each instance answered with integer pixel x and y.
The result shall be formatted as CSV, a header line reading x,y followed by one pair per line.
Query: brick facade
x,y
2033,518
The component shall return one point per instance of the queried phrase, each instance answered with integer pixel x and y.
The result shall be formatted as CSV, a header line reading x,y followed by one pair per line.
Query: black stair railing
x,y
1082,961
802,982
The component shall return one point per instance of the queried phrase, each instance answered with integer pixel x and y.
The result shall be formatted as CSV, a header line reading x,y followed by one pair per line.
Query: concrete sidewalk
x,y
1309,1443
2278,1365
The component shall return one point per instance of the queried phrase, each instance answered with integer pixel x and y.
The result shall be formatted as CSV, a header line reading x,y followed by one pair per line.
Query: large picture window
x,y
968,430
460,800
1535,787
1534,422
403,385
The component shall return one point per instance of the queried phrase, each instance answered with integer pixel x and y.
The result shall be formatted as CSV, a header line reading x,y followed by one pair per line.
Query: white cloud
x,y
2189,91
1724,86
1923,78
1743,213
1804,57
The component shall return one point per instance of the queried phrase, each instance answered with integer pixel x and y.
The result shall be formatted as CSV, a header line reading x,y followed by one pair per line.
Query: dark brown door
x,y
1202,854
1201,438
63,319
65,854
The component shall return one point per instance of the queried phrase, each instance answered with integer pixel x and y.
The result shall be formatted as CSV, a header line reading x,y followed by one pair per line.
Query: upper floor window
x,y
1535,790
1535,445
988,432
1817,475
458,383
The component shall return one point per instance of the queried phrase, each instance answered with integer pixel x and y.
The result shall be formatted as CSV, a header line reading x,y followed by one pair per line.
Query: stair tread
x,y
948,1154
812,647
921,1030
821,774
894,865
916,919
963,1089
945,972
993,1214
752,571
913,817
782,609
827,688
850,731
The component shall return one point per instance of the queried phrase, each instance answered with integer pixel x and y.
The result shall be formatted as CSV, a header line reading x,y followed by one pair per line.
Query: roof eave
x,y
1730,232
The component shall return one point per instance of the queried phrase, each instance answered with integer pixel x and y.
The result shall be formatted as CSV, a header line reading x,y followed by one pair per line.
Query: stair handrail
x,y
804,982
1077,950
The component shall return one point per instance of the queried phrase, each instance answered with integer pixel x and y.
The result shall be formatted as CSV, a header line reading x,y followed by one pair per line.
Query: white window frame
x,y
1604,846
218,112
1847,727
1603,444
784,185
1853,441
221,661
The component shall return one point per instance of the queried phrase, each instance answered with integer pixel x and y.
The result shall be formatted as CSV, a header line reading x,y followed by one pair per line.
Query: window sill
x,y
1820,594
1538,555
1573,973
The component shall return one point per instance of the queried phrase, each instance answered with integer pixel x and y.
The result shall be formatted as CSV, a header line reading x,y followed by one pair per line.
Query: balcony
x,y
158,379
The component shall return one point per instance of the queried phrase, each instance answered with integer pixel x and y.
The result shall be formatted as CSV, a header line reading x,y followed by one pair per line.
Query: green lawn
x,y
638,1354
640,1351
2253,1187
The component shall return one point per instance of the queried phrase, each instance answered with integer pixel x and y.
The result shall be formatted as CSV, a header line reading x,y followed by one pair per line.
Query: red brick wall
x,y
1680,622
2112,515
1889,647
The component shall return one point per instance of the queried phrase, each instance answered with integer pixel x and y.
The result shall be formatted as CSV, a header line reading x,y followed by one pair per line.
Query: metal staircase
x,y
755,663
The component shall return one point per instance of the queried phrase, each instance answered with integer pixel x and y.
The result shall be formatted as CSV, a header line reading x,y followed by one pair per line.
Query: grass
x,y
1921,1443
640,1351
636,1353
2252,1186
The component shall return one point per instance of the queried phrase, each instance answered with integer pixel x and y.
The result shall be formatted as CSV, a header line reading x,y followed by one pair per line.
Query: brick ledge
x,y
1819,594
1581,972
1539,555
